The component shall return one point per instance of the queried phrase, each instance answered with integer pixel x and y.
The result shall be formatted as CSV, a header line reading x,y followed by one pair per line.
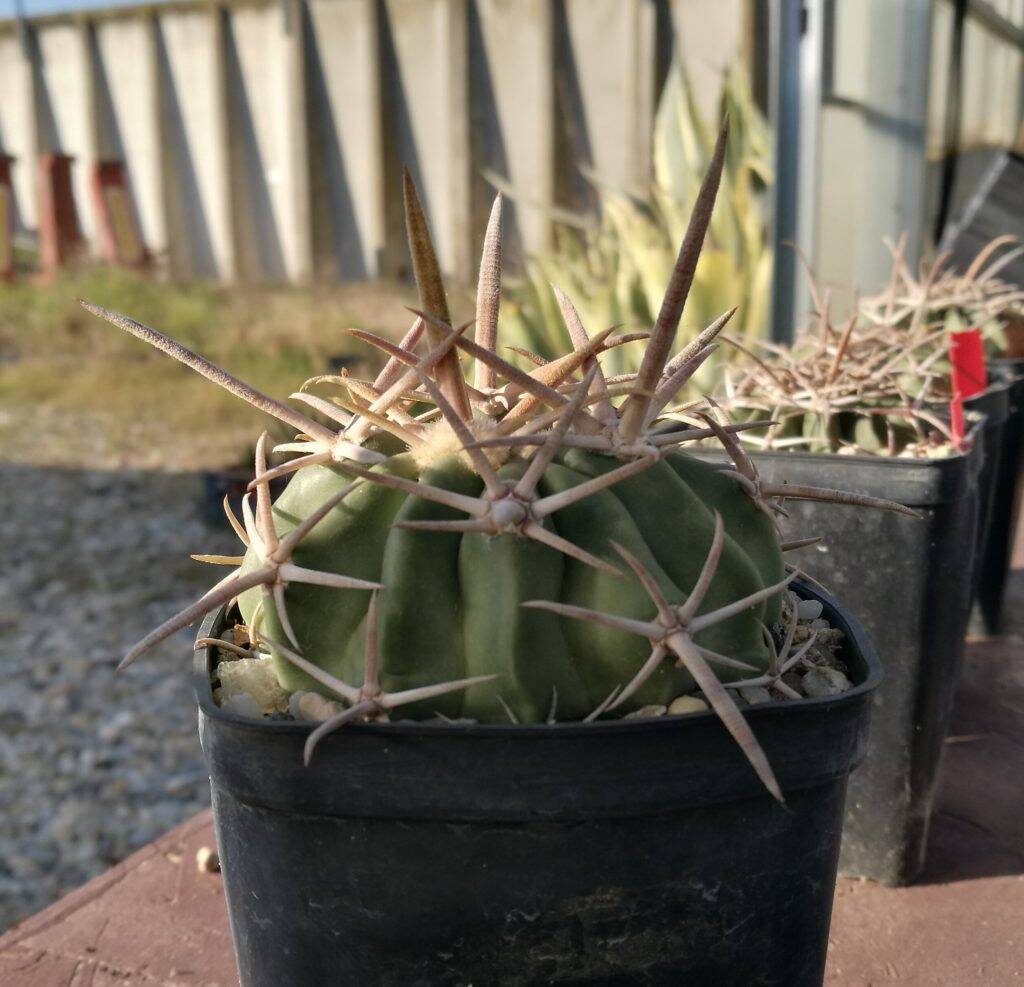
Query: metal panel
x,y
426,115
894,153
346,163
258,114
62,105
17,128
784,112
194,145
511,64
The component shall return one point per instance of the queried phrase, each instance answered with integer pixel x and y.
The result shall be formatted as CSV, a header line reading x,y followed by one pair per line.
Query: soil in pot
x,y
641,851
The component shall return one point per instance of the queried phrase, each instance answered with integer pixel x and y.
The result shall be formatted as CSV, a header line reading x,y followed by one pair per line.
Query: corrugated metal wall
x,y
264,140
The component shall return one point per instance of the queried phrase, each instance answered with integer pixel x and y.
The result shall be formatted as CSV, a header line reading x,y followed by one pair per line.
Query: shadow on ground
x,y
960,924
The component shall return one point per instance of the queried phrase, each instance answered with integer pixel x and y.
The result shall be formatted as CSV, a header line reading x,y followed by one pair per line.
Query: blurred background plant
x,y
614,266
878,385
938,297
72,395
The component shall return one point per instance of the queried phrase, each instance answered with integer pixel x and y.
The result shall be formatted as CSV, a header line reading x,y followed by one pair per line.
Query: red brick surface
x,y
962,924
156,921
152,920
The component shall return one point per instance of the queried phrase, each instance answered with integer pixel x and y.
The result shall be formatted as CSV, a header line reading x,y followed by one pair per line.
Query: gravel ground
x,y
93,764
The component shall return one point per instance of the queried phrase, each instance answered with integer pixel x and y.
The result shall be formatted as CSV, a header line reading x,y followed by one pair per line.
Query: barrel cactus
x,y
915,305
528,544
875,384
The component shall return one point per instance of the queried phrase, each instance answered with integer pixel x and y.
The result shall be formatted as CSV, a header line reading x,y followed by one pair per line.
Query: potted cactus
x,y
975,298
860,405
494,597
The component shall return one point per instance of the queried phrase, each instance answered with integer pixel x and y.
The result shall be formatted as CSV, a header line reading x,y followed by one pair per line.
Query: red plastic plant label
x,y
968,376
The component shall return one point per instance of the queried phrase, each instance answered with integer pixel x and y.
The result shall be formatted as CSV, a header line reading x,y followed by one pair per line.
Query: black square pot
x,y
994,405
909,583
622,852
1004,510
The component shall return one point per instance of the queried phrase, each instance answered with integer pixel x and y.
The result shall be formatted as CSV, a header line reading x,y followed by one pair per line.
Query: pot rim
x,y
977,419
856,639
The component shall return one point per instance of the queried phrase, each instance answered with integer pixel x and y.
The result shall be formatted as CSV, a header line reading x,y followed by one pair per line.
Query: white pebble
x,y
646,711
207,860
687,704
313,708
824,681
242,704
255,676
755,694
809,609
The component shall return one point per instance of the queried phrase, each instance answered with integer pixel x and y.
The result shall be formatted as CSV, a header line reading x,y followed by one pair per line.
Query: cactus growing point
x,y
440,545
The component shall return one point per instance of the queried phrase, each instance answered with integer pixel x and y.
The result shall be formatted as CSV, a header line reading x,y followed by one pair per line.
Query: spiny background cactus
x,y
529,544
941,298
872,385
877,383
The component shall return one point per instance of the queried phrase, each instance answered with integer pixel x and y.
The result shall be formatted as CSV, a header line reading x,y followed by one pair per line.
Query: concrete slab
x,y
961,924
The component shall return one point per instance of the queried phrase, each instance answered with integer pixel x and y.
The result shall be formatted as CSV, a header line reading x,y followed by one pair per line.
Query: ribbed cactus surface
x,y
452,600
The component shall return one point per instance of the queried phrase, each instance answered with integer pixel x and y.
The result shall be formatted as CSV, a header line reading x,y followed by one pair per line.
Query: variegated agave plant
x,y
615,267
528,542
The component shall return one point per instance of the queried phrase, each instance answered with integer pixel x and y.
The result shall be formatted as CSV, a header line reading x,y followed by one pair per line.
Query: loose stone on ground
x,y
93,764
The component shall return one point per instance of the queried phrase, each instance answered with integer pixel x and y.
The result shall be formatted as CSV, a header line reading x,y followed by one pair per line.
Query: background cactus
x,y
876,384
530,545
941,298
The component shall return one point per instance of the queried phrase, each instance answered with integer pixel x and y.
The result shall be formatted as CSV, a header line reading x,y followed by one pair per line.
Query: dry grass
x,y
76,392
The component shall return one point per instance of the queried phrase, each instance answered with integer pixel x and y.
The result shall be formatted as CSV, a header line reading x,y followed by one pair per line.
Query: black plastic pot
x,y
628,852
909,583
994,559
994,404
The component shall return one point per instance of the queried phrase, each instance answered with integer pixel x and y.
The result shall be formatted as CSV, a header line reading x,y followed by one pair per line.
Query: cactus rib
x,y
369,701
672,633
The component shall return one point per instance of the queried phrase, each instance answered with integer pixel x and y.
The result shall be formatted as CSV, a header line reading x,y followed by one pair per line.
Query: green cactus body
x,y
453,602
751,530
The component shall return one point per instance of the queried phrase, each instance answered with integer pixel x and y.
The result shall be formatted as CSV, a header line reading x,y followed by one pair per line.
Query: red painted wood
x,y
6,219
119,234
59,235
